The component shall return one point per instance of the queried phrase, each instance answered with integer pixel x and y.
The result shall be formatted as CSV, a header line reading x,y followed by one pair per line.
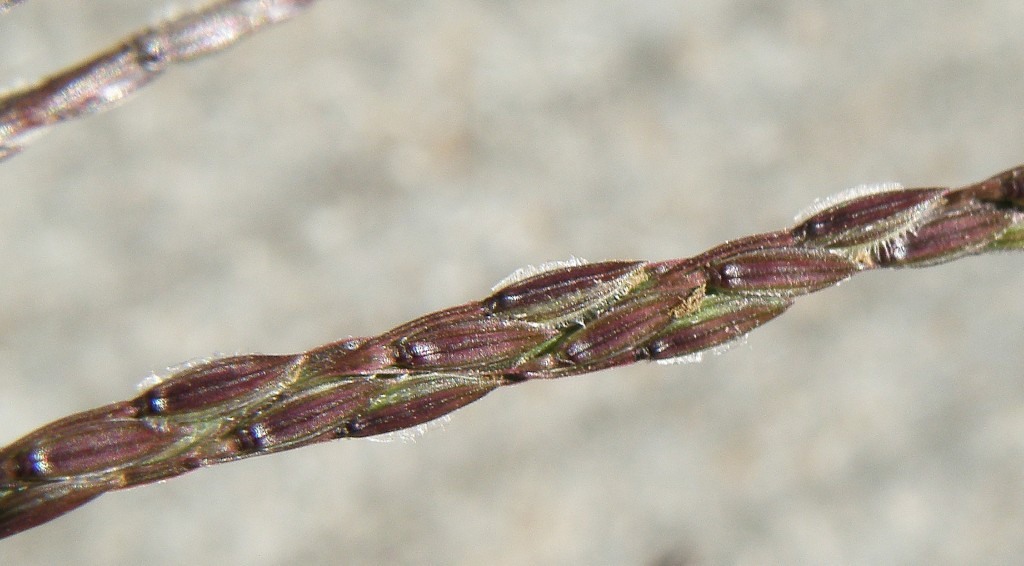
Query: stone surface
x,y
370,162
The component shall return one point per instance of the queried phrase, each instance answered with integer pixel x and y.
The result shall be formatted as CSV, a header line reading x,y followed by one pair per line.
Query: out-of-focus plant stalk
x,y
557,321
104,81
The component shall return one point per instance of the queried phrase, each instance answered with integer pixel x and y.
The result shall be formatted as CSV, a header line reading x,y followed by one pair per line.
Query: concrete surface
x,y
373,161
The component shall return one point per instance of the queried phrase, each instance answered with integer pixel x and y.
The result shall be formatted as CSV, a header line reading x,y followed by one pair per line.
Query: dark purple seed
x,y
88,447
759,242
12,456
781,271
560,294
296,419
475,344
619,329
221,384
691,338
959,232
865,219
1006,187
418,402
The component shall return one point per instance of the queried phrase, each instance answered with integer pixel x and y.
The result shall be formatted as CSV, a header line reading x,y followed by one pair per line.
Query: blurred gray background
x,y
370,162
